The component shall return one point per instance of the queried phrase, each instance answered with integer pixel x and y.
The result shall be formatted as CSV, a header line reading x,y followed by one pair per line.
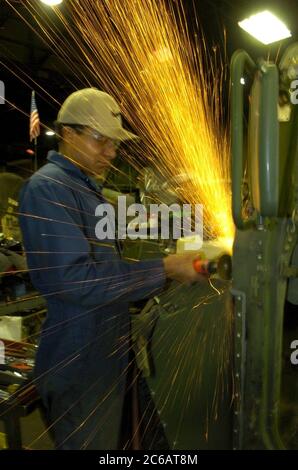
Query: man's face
x,y
91,151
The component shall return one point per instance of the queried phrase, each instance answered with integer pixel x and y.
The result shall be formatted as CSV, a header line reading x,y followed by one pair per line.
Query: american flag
x,y
34,119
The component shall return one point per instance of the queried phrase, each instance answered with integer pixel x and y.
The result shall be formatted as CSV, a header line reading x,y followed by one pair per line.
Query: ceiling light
x,y
51,2
265,27
50,133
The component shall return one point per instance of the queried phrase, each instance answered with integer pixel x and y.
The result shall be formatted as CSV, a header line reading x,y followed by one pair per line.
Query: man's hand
x,y
180,268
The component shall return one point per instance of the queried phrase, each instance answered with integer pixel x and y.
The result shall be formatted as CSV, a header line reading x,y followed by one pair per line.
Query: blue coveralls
x,y
82,357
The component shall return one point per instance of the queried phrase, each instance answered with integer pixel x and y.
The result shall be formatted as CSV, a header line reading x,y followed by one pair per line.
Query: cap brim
x,y
122,135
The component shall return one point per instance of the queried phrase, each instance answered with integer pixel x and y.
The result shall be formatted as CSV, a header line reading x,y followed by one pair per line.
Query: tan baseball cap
x,y
97,110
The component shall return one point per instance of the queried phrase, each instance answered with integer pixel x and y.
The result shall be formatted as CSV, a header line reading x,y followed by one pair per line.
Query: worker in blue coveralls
x,y
82,358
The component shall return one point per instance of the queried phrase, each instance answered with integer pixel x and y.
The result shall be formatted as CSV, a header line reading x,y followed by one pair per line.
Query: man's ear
x,y
67,133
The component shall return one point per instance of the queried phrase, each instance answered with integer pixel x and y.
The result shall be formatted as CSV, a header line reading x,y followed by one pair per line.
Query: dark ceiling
x,y
25,58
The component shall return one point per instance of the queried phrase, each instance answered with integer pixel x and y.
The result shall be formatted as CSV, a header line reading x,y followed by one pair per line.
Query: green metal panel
x,y
191,351
185,339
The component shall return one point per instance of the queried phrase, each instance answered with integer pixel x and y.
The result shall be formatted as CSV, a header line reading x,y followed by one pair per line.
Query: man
x,y
82,359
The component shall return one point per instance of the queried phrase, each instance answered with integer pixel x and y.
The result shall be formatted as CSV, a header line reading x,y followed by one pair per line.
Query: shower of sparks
x,y
169,87
158,76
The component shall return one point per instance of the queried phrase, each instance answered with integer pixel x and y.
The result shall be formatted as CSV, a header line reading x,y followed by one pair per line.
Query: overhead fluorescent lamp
x,y
51,2
265,27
